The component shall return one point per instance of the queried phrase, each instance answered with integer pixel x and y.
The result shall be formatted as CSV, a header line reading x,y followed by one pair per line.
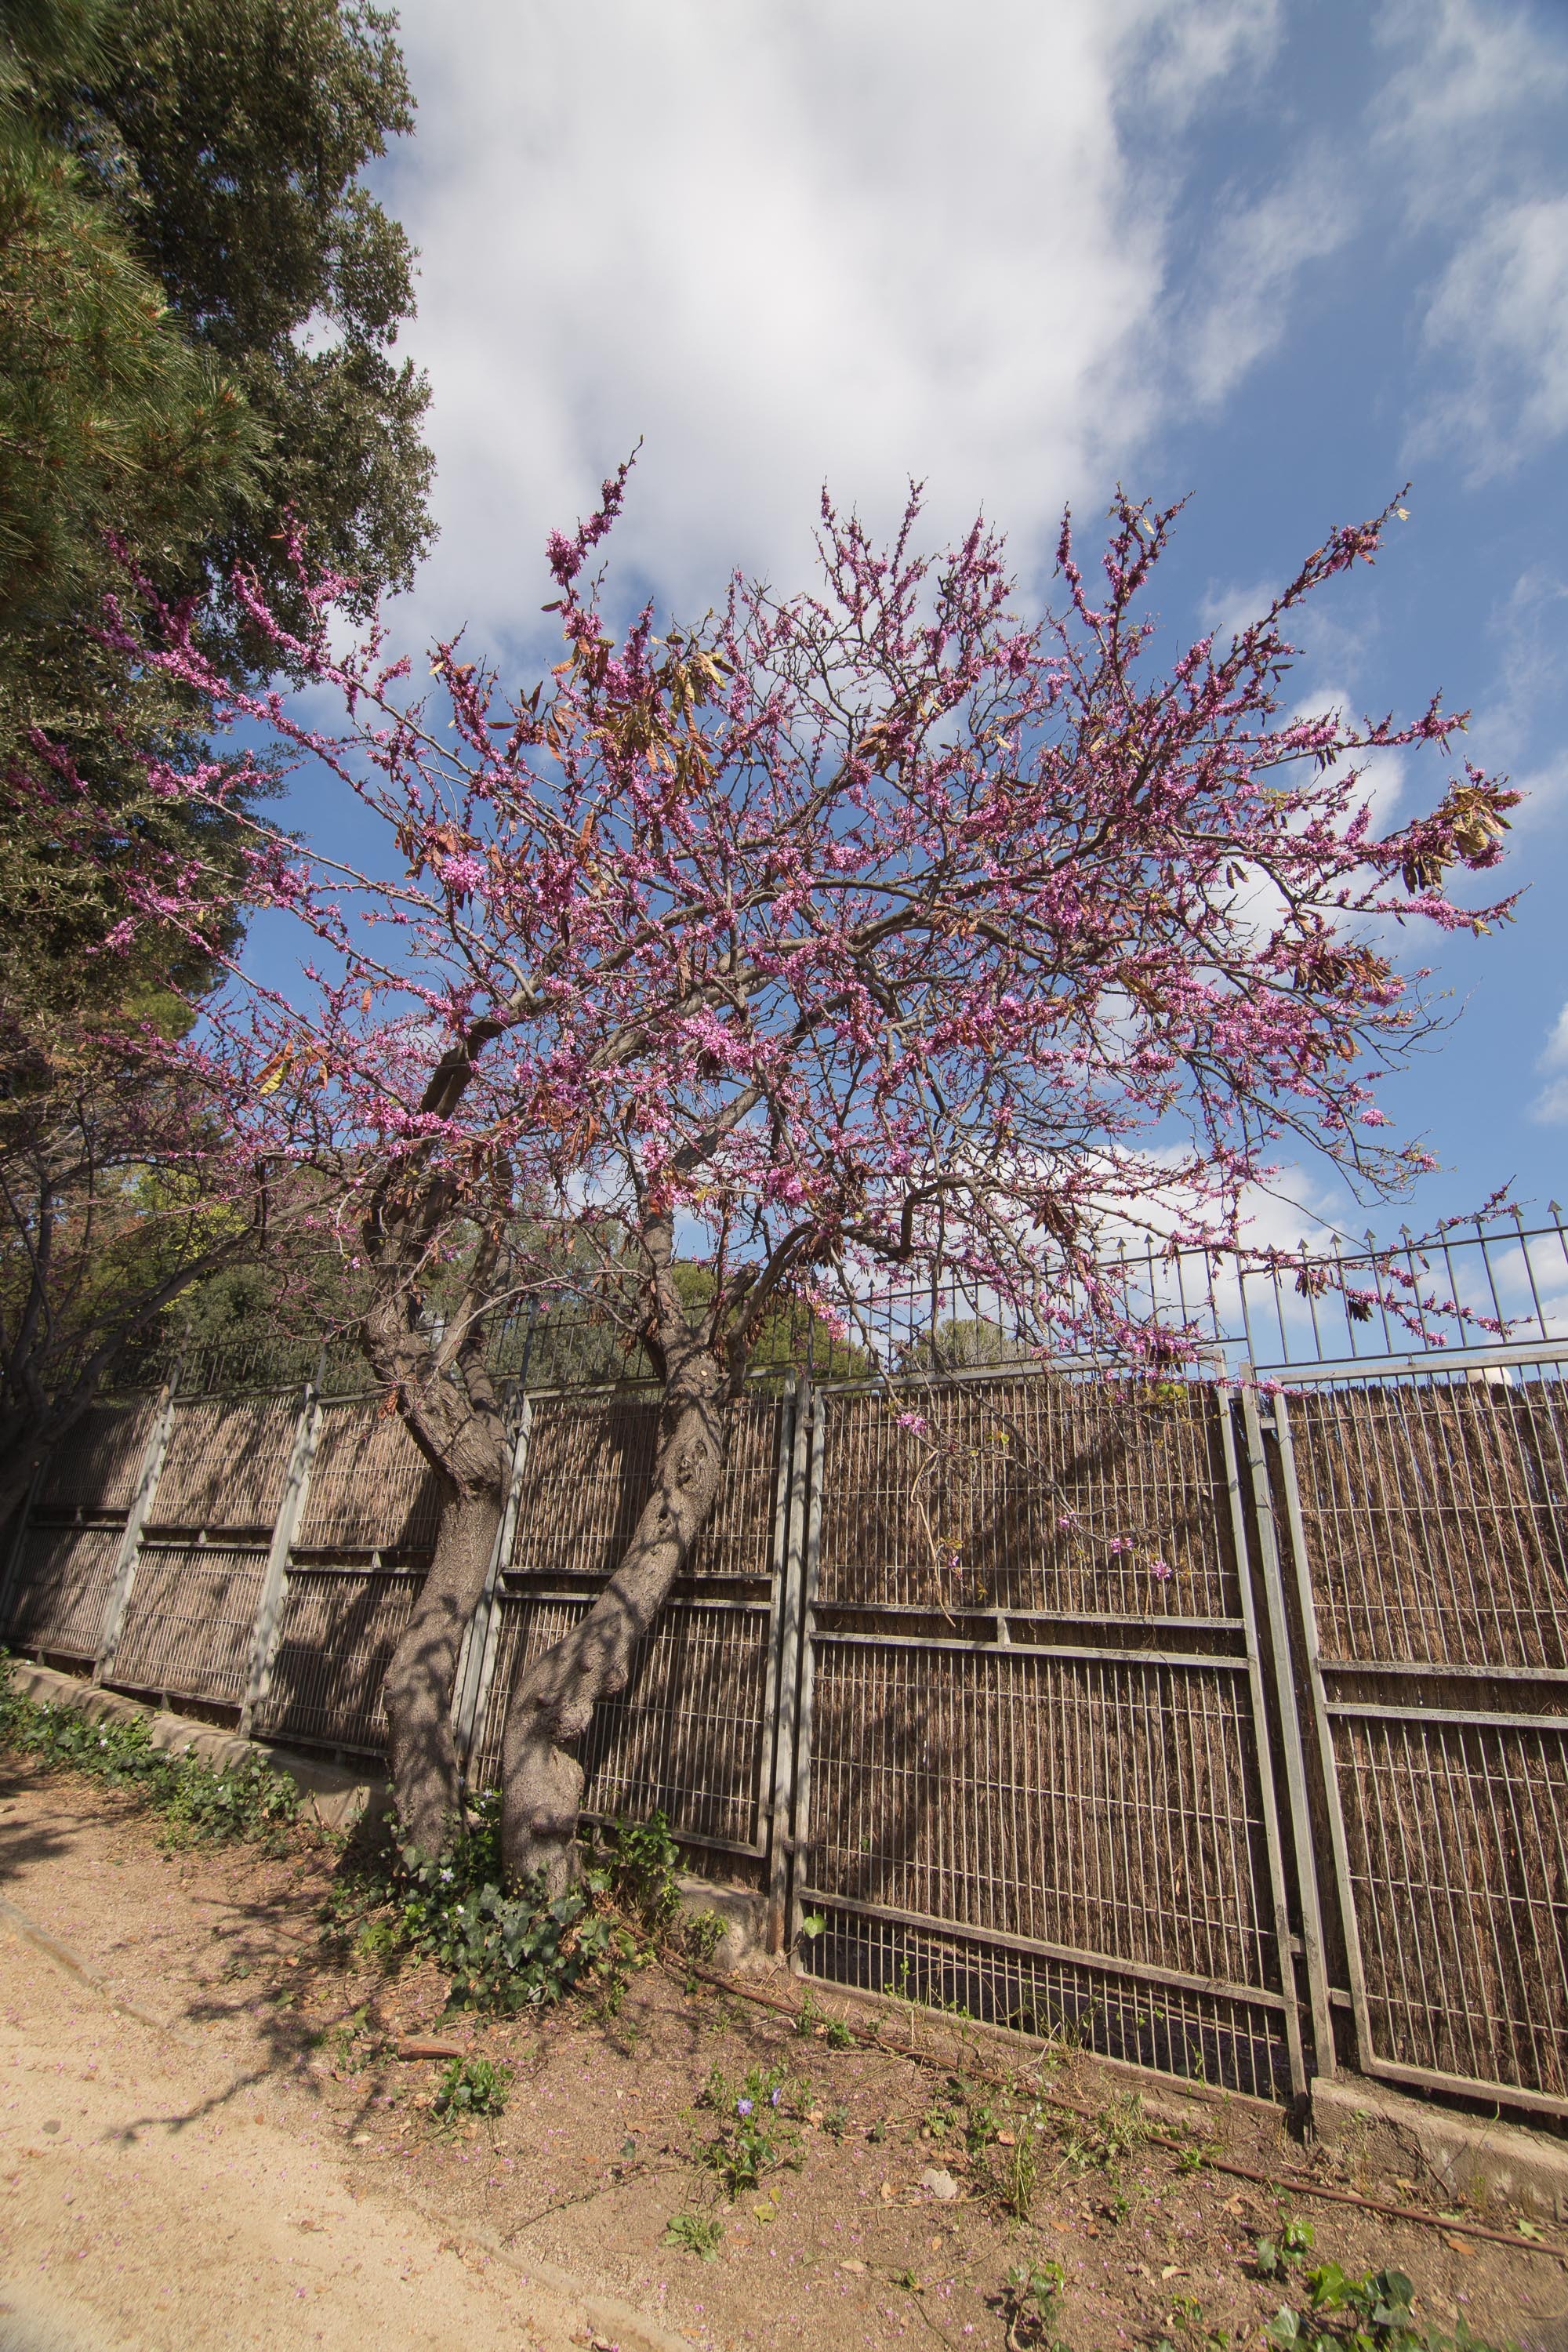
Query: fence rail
x,y
1222,1722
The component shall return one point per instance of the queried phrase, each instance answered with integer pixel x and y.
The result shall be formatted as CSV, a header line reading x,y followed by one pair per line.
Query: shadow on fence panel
x,y
1035,1768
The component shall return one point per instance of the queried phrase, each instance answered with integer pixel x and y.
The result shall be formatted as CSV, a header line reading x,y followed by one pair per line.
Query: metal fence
x,y
1221,1722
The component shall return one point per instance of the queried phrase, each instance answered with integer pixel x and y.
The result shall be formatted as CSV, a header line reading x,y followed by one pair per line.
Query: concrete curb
x,y
1463,2154
334,1794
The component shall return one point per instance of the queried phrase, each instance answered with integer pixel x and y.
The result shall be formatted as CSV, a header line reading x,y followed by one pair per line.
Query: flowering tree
x,y
874,928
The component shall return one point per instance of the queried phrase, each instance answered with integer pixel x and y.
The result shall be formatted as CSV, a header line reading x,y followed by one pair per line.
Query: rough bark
x,y
418,1693
448,1405
552,1706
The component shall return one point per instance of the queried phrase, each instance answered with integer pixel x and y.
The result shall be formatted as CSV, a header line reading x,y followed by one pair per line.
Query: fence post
x,y
275,1582
131,1539
1285,1941
477,1659
1290,1721
808,1520
775,1795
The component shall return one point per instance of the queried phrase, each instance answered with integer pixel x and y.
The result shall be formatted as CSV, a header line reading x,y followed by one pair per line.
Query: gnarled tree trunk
x,y
417,1692
552,1704
448,1405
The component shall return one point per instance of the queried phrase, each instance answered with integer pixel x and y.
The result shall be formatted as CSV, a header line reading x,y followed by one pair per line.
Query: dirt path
x,y
247,2162
147,2202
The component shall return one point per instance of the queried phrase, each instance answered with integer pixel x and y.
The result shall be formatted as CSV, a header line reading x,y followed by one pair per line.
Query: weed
x,y
700,1935
1274,2256
198,1806
642,1861
939,2118
1013,2165
836,2122
472,2086
753,2138
980,2125
839,2036
1370,2313
1006,2144
695,2233
1186,2316
1031,2306
1104,2142
501,1950
351,2042
807,2017
878,2133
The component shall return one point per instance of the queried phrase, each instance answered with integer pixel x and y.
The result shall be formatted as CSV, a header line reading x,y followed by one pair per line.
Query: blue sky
x,y
1280,254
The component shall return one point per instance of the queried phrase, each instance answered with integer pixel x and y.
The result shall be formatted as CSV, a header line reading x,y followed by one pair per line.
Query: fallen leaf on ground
x,y
1460,2245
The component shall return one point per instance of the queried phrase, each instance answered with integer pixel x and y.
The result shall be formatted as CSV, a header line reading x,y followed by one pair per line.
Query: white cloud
x,y
817,244
1550,1104
1225,42
1252,262
1469,120
1545,789
1502,305
1468,66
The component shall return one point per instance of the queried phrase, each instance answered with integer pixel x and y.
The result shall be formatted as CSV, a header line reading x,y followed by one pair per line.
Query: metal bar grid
x,y
226,1462
1073,1497
1094,1805
337,1632
190,1622
589,1470
686,1735
1445,1821
1436,1517
1458,1875
1205,2035
97,1472
370,1488
62,1588
1100,1807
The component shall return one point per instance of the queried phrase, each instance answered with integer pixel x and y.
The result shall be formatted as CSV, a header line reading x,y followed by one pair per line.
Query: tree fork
x,y
552,1706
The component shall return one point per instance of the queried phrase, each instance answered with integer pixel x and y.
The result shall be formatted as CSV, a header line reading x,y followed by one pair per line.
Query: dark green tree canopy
x,y
229,140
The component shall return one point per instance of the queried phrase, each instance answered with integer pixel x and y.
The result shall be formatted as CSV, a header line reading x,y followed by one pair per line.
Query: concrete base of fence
x,y
334,1794
742,1948
1463,2155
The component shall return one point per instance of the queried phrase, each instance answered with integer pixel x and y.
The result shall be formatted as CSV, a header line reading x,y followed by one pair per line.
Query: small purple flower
x,y
1161,1568
775,2098
743,2106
